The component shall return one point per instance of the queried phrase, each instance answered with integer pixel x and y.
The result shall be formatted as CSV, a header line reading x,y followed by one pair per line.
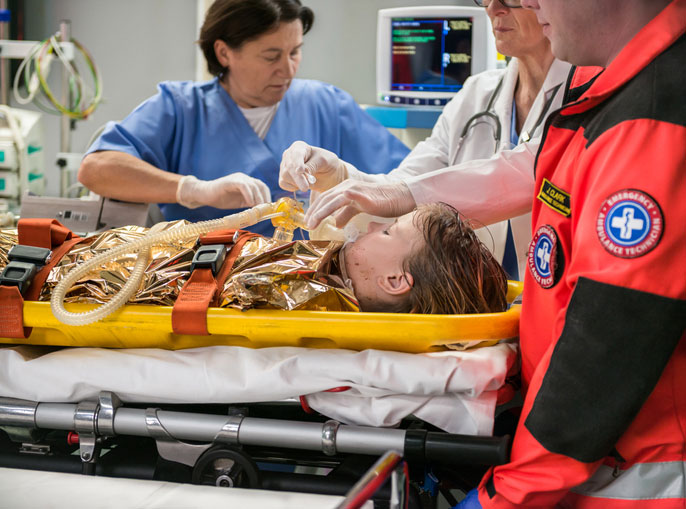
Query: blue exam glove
x,y
471,501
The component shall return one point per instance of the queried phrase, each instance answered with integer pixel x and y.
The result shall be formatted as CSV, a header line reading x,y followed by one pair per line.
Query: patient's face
x,y
381,251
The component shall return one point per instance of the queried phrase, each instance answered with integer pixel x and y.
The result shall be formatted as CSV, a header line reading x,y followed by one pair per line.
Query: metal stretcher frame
x,y
198,440
147,326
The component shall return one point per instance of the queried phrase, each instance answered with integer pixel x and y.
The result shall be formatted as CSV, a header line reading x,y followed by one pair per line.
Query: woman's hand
x,y
305,167
352,197
235,191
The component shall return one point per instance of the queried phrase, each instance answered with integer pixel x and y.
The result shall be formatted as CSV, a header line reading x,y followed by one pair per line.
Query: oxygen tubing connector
x,y
290,216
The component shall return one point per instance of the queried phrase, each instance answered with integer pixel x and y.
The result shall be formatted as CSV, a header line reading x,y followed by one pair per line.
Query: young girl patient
x,y
427,261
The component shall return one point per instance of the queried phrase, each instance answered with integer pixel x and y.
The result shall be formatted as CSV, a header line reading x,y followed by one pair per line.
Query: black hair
x,y
238,21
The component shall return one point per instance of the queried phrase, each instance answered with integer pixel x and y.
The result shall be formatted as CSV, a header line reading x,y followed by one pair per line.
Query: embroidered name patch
x,y
543,255
555,198
630,223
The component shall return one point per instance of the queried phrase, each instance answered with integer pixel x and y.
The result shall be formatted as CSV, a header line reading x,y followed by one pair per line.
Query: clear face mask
x,y
350,232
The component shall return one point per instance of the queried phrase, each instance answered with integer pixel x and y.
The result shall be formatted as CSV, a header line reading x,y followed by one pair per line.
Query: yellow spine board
x,y
146,326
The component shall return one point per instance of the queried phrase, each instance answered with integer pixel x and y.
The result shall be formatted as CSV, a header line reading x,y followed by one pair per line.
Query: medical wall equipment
x,y
79,95
90,214
82,100
425,54
22,159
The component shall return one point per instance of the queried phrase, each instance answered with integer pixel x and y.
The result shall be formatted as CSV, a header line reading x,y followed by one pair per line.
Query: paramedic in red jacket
x,y
604,307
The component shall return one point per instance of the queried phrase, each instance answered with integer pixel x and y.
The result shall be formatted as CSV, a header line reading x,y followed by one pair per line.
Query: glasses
x,y
512,4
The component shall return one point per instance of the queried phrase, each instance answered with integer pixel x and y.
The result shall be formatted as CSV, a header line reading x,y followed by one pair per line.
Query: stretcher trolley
x,y
235,416
303,401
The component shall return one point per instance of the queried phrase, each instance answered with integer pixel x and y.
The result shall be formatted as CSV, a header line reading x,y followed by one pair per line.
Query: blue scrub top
x,y
510,261
196,129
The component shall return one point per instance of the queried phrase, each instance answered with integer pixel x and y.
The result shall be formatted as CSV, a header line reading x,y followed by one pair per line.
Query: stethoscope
x,y
489,116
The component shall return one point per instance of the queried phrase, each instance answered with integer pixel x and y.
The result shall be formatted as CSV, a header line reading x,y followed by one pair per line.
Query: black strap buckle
x,y
24,262
209,257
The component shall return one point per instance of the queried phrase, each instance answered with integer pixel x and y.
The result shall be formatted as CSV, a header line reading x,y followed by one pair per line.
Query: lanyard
x,y
524,137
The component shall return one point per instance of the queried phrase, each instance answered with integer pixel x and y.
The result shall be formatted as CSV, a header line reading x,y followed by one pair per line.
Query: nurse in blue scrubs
x,y
204,150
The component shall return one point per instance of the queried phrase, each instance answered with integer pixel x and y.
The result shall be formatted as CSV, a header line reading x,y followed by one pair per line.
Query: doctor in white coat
x,y
479,157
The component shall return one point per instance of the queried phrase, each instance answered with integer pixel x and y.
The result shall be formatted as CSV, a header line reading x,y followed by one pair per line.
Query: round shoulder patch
x,y
544,257
630,223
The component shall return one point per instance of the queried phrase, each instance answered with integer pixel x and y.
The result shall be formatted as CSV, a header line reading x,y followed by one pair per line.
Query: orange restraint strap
x,y
189,315
47,233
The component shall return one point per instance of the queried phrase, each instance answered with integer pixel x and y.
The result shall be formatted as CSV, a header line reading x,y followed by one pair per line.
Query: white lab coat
x,y
482,186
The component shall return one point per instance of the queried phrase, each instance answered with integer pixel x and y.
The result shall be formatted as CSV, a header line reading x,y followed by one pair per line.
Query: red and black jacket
x,y
604,308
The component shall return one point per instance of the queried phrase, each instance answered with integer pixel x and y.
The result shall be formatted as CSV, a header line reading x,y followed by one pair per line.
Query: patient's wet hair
x,y
238,21
453,271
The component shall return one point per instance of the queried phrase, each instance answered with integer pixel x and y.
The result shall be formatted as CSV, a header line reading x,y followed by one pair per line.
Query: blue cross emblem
x,y
627,223
542,250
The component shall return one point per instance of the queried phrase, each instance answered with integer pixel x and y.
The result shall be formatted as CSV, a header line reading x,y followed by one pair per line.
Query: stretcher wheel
x,y
225,467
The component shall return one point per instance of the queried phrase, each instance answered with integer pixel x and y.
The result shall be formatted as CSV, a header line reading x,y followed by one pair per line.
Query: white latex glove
x,y
352,197
235,191
305,167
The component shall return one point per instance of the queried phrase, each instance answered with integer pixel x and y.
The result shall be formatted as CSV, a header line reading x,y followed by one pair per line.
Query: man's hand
x,y
352,197
305,167
234,191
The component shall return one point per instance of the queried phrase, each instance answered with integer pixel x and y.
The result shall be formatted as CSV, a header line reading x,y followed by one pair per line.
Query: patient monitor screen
x,y
430,54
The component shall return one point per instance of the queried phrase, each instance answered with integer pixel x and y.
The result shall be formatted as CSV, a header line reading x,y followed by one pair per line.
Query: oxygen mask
x,y
289,215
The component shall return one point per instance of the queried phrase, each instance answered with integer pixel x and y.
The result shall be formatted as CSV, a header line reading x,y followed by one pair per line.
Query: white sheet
x,y
31,489
455,391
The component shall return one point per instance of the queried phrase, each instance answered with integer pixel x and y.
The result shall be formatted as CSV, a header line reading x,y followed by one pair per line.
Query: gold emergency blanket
x,y
268,274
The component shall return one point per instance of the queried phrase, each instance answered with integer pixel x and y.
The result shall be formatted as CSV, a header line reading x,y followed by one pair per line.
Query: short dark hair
x,y
453,271
238,21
